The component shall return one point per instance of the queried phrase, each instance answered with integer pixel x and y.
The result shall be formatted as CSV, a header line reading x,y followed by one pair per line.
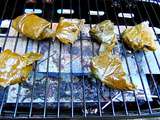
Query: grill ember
x,y
60,85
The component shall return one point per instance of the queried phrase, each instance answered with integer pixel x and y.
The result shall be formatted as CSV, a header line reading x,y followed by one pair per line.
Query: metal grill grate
x,y
92,102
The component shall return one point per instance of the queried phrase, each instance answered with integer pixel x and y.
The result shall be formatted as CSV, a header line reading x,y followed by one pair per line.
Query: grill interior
x,y
71,93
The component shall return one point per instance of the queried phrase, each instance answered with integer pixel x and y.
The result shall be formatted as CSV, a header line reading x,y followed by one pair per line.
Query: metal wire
x,y
138,70
98,85
46,82
19,87
5,90
110,90
59,80
153,54
140,76
82,68
71,71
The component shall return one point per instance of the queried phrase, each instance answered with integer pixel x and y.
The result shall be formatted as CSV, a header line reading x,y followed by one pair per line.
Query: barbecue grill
x,y
56,92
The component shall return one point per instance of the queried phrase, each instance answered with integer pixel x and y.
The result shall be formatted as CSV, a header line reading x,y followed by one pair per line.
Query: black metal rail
x,y
91,109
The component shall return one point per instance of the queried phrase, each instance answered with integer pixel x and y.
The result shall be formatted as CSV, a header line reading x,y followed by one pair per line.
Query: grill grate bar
x,y
58,112
82,68
71,71
3,98
153,54
47,69
149,66
13,12
124,102
4,10
105,9
150,109
110,90
59,80
31,104
98,84
46,83
155,11
138,69
126,60
112,103
20,85
19,88
93,54
137,103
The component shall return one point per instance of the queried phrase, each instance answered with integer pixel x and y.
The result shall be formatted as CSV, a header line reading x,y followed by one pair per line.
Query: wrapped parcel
x,y
140,37
33,27
108,69
15,68
103,32
68,30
